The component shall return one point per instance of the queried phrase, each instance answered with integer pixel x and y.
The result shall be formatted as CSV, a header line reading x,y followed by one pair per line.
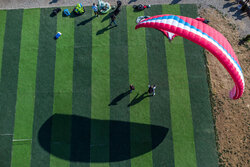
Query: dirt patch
x,y
231,116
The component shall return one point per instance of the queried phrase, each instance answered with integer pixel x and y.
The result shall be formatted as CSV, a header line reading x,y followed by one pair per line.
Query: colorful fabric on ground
x,y
207,37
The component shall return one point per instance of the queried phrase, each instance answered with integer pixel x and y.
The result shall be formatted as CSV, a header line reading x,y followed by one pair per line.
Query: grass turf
x,y
81,90
44,93
138,76
160,104
76,83
2,31
63,91
8,84
100,91
119,84
26,88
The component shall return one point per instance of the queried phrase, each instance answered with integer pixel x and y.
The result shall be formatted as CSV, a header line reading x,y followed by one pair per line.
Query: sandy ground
x,y
231,117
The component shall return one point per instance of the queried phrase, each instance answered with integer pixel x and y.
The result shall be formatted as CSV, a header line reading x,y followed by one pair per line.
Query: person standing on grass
x,y
131,88
151,89
112,17
95,9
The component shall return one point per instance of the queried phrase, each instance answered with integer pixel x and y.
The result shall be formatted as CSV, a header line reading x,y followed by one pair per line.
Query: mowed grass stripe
x,y
60,136
44,95
26,88
2,31
204,134
182,125
80,131
100,98
119,85
138,76
8,83
163,155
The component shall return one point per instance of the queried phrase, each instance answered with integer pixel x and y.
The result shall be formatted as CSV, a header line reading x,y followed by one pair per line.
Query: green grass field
x,y
65,102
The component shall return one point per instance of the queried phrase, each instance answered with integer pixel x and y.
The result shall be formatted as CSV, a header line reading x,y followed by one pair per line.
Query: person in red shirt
x,y
131,88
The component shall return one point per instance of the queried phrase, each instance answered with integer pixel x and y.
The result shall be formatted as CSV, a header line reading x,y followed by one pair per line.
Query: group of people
x,y
113,14
151,89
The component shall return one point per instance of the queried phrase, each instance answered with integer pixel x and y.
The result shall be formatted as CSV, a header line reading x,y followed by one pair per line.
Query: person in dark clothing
x,y
113,17
131,87
55,12
140,7
117,10
151,89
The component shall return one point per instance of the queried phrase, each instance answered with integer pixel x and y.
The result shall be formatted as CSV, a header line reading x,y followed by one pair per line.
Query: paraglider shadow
x,y
119,97
86,21
139,99
72,137
104,29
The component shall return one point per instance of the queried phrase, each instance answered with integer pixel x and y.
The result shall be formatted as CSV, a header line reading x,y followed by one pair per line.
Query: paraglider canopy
x,y
204,35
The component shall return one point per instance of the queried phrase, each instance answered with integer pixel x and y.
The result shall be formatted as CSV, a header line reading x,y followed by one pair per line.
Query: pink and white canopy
x,y
205,36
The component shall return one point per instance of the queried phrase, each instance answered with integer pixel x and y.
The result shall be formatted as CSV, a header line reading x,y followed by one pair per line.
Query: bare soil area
x,y
231,116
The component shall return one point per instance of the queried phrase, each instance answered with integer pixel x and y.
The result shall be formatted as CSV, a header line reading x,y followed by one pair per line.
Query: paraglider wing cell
x,y
205,36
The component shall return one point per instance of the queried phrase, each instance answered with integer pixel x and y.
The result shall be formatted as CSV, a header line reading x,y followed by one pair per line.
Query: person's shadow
x,y
107,17
104,29
137,99
119,97
86,21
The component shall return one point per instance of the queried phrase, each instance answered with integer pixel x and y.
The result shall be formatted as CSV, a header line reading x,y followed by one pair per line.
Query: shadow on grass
x,y
110,142
105,29
73,14
137,99
119,97
86,21
107,17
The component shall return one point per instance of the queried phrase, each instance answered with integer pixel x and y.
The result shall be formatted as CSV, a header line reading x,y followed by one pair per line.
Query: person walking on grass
x,y
113,17
151,89
95,9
